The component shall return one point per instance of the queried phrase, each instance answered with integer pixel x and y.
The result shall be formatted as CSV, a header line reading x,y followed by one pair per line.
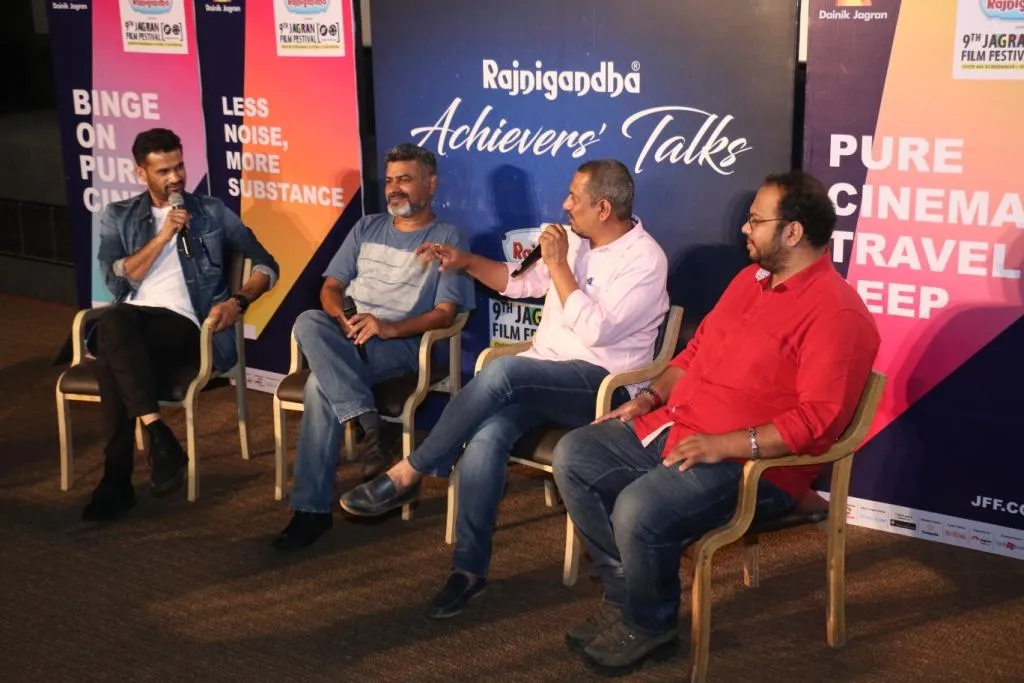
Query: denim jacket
x,y
214,232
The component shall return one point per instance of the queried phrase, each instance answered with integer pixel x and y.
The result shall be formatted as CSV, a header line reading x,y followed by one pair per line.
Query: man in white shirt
x,y
605,299
166,267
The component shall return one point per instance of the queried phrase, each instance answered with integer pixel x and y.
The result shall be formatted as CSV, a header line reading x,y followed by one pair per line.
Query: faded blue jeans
x,y
338,390
508,398
637,516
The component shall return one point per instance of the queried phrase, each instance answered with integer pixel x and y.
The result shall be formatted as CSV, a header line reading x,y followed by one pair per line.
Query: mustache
x,y
397,195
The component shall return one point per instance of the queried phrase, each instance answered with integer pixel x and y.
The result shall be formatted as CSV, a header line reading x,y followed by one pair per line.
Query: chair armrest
x,y
205,355
427,341
622,379
494,352
297,359
78,331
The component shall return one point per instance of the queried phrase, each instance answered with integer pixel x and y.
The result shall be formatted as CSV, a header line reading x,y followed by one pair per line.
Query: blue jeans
x,y
637,516
508,398
338,390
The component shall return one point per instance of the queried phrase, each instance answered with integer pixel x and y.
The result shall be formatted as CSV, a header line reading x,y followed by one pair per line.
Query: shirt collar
x,y
801,280
633,234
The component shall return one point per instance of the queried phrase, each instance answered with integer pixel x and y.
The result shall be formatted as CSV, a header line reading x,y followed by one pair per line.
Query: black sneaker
x,y
459,589
584,633
375,456
303,530
622,648
110,500
167,460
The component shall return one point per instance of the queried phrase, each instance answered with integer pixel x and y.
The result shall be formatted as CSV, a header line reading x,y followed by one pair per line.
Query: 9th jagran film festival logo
x,y
153,26
513,322
310,28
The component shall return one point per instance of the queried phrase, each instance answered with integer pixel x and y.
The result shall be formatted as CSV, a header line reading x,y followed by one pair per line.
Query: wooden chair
x,y
78,383
841,457
536,448
397,399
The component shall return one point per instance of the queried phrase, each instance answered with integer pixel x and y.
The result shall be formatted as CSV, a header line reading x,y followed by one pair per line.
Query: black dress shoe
x,y
303,530
457,591
167,460
377,497
109,501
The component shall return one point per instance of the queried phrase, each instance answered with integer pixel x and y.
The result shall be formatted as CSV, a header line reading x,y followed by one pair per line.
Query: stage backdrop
x,y
695,98
122,66
913,120
279,92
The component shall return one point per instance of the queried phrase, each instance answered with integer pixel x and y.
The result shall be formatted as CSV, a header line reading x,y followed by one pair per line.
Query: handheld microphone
x,y
348,309
530,259
177,201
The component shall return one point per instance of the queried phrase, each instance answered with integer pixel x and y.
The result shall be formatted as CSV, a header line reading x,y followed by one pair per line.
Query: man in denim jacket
x,y
167,269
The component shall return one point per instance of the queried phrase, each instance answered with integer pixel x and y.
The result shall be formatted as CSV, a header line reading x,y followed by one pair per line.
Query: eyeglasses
x,y
754,221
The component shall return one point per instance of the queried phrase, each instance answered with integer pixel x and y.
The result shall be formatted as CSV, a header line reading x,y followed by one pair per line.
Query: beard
x,y
401,207
770,257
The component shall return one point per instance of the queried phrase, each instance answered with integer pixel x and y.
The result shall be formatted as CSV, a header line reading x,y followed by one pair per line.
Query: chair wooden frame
x,y
841,457
450,385
570,565
189,403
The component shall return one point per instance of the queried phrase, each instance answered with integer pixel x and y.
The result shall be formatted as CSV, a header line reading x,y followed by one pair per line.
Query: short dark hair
x,y
610,179
805,199
410,152
154,140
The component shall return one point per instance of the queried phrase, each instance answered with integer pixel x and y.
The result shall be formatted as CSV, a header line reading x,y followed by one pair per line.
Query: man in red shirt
x,y
776,368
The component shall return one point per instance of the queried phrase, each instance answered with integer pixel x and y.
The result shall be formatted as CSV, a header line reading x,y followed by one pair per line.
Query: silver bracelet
x,y
755,448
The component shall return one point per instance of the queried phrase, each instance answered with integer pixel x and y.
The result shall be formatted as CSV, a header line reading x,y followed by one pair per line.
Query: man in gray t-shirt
x,y
397,298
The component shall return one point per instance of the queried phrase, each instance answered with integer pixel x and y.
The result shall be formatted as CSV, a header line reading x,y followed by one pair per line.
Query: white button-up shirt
x,y
612,320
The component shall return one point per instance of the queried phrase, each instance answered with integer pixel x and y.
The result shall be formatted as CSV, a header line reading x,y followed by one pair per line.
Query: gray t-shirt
x,y
378,264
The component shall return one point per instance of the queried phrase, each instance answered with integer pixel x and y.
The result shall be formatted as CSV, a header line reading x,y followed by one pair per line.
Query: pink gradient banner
x,y
145,74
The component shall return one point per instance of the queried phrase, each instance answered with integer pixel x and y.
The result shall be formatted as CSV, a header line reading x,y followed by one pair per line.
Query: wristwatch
x,y
243,303
755,447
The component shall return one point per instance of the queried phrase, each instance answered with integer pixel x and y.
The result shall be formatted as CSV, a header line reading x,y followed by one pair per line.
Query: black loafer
x,y
457,591
109,502
377,497
303,530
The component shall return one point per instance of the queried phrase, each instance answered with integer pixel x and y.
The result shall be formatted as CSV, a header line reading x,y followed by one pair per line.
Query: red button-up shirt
x,y
797,355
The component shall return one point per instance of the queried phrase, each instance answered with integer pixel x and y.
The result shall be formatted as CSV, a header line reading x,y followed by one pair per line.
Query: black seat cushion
x,y
538,444
80,379
390,395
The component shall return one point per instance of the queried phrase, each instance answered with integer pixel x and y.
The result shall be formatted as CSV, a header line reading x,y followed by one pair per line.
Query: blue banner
x,y
695,98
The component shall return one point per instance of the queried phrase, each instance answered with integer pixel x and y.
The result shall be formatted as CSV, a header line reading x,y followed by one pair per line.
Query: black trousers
x,y
140,352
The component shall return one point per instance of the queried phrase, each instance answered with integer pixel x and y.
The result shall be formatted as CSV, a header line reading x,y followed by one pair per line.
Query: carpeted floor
x,y
180,591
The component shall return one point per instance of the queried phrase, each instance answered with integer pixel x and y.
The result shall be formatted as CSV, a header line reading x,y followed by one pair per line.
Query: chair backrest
x,y
863,415
668,334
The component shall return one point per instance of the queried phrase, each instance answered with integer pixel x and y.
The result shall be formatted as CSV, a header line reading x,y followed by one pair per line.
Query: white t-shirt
x,y
164,285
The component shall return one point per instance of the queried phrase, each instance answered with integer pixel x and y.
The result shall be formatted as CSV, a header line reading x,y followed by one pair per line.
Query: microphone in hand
x,y
177,201
348,309
530,259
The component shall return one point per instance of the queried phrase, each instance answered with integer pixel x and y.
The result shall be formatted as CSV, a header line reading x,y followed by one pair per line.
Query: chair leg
x,y
190,436
571,564
67,465
550,493
407,446
280,425
751,561
700,619
140,435
243,412
453,506
836,564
